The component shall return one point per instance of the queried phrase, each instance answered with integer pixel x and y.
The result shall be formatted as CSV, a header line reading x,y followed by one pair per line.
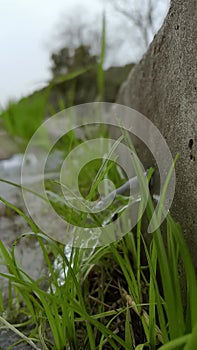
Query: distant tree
x,y
83,57
65,60
61,61
83,31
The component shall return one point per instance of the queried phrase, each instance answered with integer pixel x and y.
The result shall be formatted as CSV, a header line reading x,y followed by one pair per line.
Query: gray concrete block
x,y
163,87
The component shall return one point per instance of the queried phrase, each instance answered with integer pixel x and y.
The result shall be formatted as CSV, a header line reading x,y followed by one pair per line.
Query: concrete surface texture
x,y
163,87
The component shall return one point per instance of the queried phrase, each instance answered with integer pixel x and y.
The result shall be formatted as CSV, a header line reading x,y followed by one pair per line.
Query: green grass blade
x,y
189,270
101,61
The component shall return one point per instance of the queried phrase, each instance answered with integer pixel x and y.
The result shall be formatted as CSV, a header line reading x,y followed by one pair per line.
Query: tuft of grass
x,y
125,295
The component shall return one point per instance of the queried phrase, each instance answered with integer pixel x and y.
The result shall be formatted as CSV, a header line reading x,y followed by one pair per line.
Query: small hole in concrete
x,y
190,144
192,157
177,27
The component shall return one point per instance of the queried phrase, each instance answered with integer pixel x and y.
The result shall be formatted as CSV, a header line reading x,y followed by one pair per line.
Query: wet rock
x,y
8,338
7,145
27,251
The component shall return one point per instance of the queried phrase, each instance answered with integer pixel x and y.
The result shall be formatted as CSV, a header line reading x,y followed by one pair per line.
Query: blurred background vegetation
x,y
75,61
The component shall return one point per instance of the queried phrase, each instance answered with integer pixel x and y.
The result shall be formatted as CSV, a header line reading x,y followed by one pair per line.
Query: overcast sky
x,y
28,34
26,28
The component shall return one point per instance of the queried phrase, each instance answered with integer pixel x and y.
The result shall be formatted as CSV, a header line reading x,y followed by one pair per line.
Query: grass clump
x,y
127,295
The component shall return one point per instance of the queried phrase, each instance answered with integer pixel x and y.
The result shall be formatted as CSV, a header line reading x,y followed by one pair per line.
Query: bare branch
x,y
142,17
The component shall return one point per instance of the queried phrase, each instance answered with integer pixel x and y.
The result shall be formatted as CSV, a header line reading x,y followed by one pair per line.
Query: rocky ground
x,y
8,338
12,225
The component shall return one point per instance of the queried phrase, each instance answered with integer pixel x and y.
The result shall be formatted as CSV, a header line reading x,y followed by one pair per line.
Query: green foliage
x,y
24,117
65,61
148,286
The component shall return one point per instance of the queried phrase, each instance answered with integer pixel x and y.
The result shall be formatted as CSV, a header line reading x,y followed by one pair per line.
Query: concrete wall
x,y
163,87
